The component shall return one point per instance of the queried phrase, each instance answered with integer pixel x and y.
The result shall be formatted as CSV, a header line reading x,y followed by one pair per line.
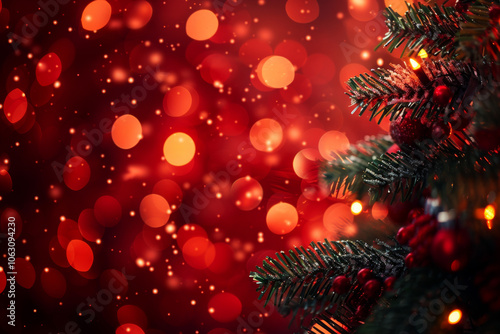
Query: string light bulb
x,y
356,207
454,317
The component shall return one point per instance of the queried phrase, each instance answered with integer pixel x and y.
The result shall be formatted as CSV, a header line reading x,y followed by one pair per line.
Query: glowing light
x,y
455,316
126,131
282,218
155,210
177,101
276,71
96,15
356,207
202,25
489,212
179,149
414,64
422,54
79,255
266,135
332,142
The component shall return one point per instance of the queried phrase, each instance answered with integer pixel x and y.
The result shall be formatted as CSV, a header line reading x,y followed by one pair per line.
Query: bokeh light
x,y
96,15
138,14
177,101
126,131
224,307
76,173
333,143
246,193
107,211
155,210
15,105
338,218
80,255
48,69
356,208
282,218
276,71
202,25
198,252
302,11
179,149
266,135
454,317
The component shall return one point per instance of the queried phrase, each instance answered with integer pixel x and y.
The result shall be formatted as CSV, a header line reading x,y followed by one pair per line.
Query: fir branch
x,y
395,92
456,175
300,282
478,36
345,172
432,28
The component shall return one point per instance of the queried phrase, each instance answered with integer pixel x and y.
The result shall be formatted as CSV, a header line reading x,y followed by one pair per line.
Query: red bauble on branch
x,y
341,284
442,95
405,130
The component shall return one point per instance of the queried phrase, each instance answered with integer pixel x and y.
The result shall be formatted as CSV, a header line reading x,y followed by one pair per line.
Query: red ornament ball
x,y
450,249
389,283
442,95
410,260
404,234
372,288
406,131
341,284
495,12
364,275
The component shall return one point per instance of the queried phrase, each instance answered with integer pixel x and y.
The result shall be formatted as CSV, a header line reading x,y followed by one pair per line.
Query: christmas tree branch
x,y
301,281
479,34
455,174
345,173
432,28
395,92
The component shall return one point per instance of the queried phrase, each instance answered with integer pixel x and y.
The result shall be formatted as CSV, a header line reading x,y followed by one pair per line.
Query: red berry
x,y
364,275
341,284
404,234
461,7
372,288
389,283
405,130
410,260
442,95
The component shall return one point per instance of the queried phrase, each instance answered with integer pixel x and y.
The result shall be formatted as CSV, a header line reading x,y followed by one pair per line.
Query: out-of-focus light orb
x,y
96,15
379,211
138,14
349,71
80,255
202,25
423,54
155,210
15,105
306,164
276,71
224,307
107,211
177,101
399,6
302,11
338,218
48,69
356,208
282,218
363,10
246,193
199,252
331,143
129,329
126,131
76,173
53,282
266,135
489,212
454,317
179,149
